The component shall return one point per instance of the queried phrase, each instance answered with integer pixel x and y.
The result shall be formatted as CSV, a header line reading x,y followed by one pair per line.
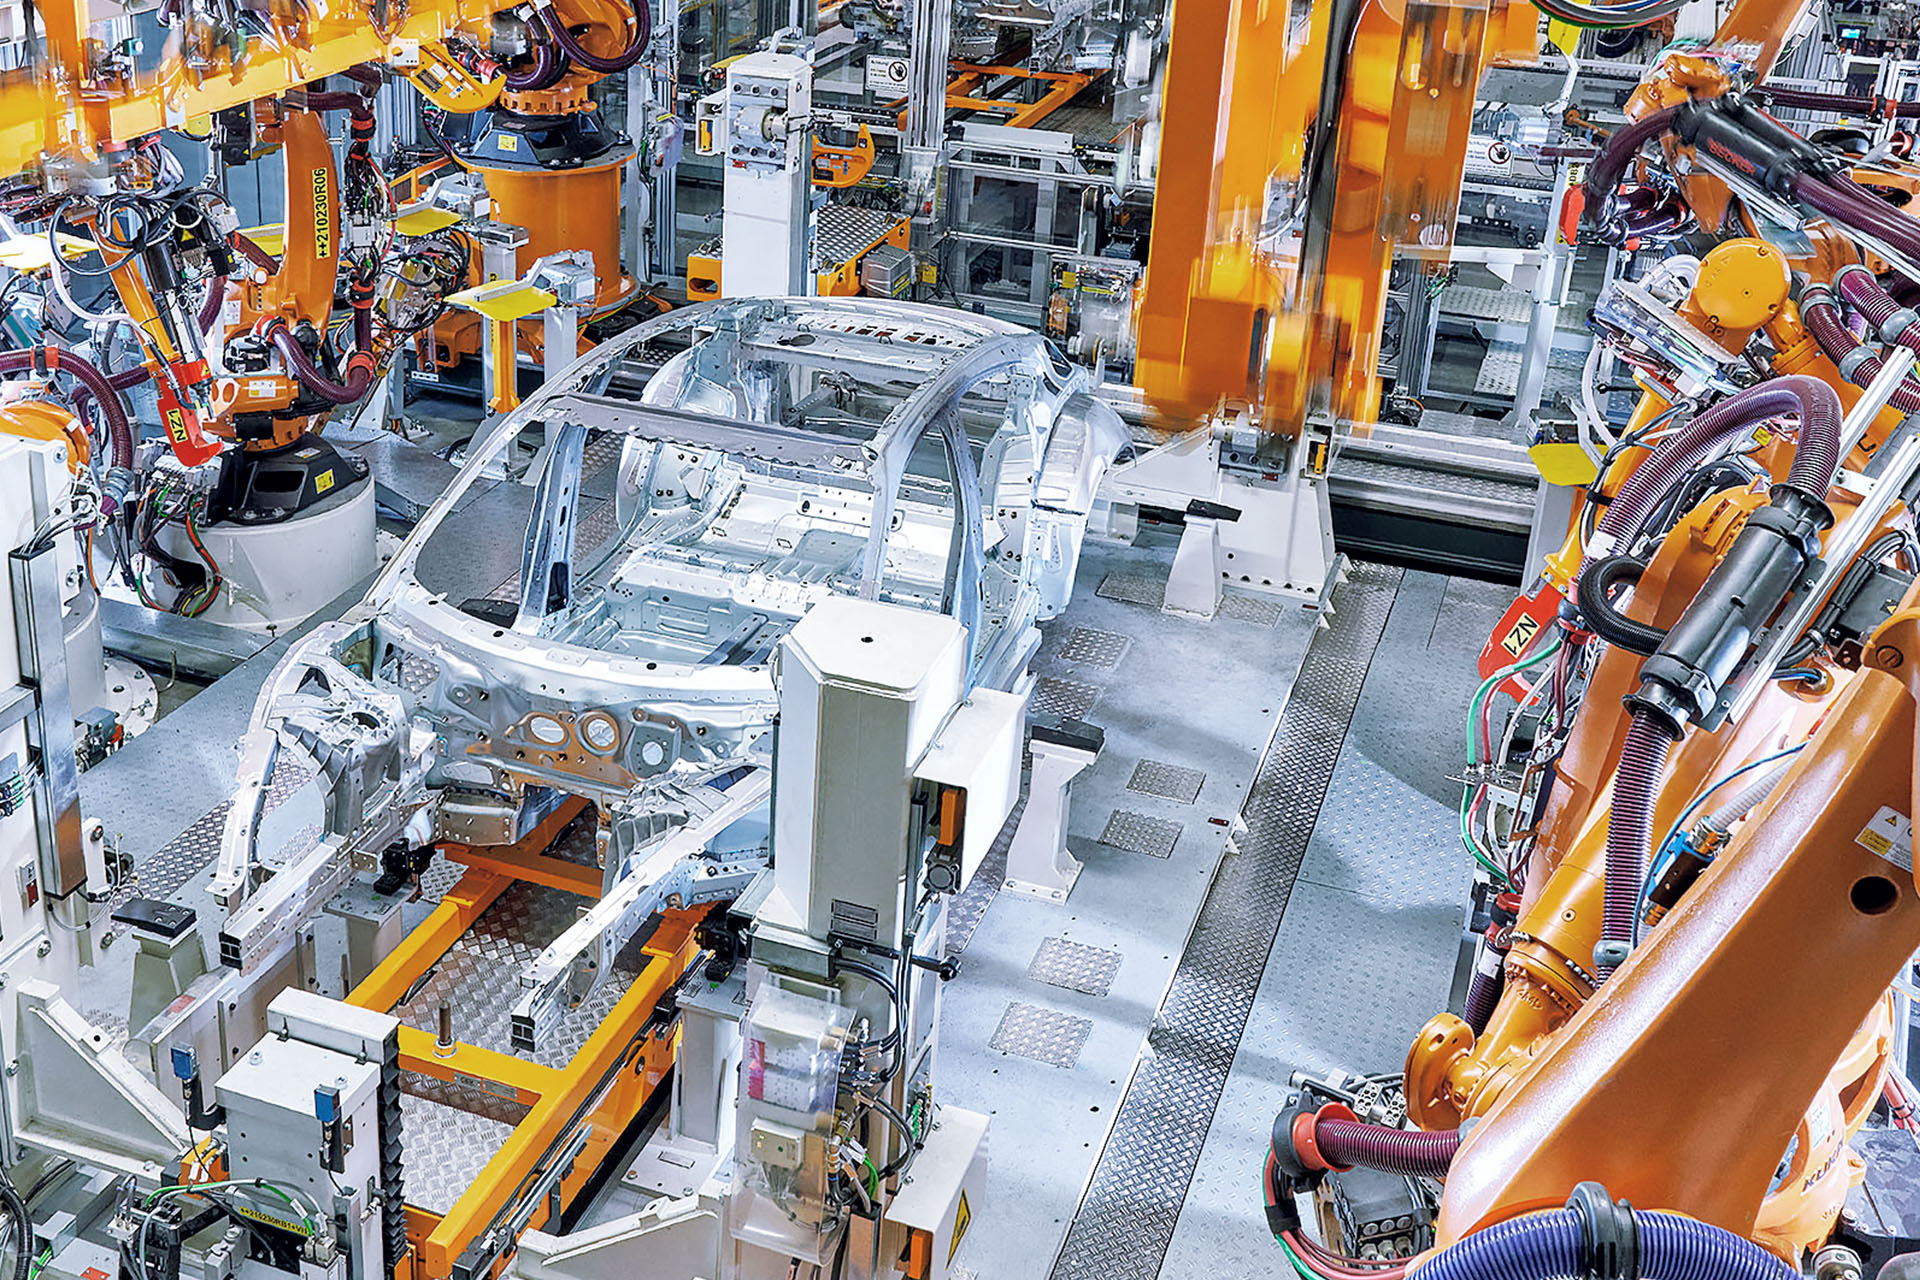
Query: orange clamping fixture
x,y
843,166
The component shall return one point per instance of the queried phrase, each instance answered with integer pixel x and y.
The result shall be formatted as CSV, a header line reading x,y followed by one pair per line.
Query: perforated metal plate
x,y
479,976
1074,966
1134,588
1094,648
1167,781
1132,1203
1137,833
1070,698
1045,1035
1258,610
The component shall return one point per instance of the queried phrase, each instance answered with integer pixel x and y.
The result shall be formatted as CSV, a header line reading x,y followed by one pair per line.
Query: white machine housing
x,y
277,575
273,1130
766,225
864,689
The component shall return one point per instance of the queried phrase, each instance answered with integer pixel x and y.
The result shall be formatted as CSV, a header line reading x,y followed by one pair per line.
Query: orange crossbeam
x,y
526,1082
546,1125
535,868
422,948
969,77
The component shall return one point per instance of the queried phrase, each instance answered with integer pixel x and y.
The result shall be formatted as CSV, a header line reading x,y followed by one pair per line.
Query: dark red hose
x,y
1681,453
1636,782
571,46
112,407
1415,1153
548,66
1851,205
1858,363
1622,145
215,299
1814,100
359,370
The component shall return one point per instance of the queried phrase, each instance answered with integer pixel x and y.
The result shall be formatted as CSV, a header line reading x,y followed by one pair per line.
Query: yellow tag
x,y
323,481
1563,462
1515,642
271,1219
962,1219
1068,279
176,426
1564,36
509,143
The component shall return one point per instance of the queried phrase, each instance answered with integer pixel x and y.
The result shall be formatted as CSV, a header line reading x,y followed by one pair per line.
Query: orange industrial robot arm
x,y
1286,317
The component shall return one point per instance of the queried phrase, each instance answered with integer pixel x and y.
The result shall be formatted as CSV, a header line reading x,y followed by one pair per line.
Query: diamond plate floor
x,y
1362,955
1133,1201
1107,953
1366,948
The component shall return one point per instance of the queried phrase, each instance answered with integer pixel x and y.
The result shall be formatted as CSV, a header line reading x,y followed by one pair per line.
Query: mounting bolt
x,y
13,1069
44,949
1888,658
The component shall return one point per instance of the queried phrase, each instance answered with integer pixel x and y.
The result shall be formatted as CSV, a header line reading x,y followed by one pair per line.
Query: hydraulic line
x,y
1621,146
1595,590
1636,781
548,64
1858,363
1854,207
1682,681
1692,444
1844,104
1309,1140
1417,1154
310,376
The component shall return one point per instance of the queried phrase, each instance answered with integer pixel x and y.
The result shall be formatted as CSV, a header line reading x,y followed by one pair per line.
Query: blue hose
x,y
1550,1245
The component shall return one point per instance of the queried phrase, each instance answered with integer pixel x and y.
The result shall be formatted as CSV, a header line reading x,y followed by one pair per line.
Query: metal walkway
x,y
1126,1220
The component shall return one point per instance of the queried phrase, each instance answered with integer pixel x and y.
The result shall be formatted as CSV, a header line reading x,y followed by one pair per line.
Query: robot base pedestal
x,y
276,575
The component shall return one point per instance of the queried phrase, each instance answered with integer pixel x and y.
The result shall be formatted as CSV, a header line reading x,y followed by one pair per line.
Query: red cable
x,y
1342,1268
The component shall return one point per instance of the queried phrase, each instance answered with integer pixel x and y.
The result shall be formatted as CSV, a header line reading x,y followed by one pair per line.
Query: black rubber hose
x,y
22,1228
1596,606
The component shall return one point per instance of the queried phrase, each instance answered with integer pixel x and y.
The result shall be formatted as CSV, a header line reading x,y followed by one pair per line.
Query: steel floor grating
x,y
1127,1217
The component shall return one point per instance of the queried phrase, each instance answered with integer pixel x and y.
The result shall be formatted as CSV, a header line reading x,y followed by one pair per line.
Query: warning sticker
x,y
962,1219
1890,835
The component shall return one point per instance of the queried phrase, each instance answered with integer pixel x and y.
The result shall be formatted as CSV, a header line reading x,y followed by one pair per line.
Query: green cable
x,y
1299,1265
40,1263
1473,751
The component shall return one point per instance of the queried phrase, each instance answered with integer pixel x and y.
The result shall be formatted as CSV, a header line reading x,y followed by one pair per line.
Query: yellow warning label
x,y
1889,835
509,143
1516,641
176,426
962,1219
323,481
